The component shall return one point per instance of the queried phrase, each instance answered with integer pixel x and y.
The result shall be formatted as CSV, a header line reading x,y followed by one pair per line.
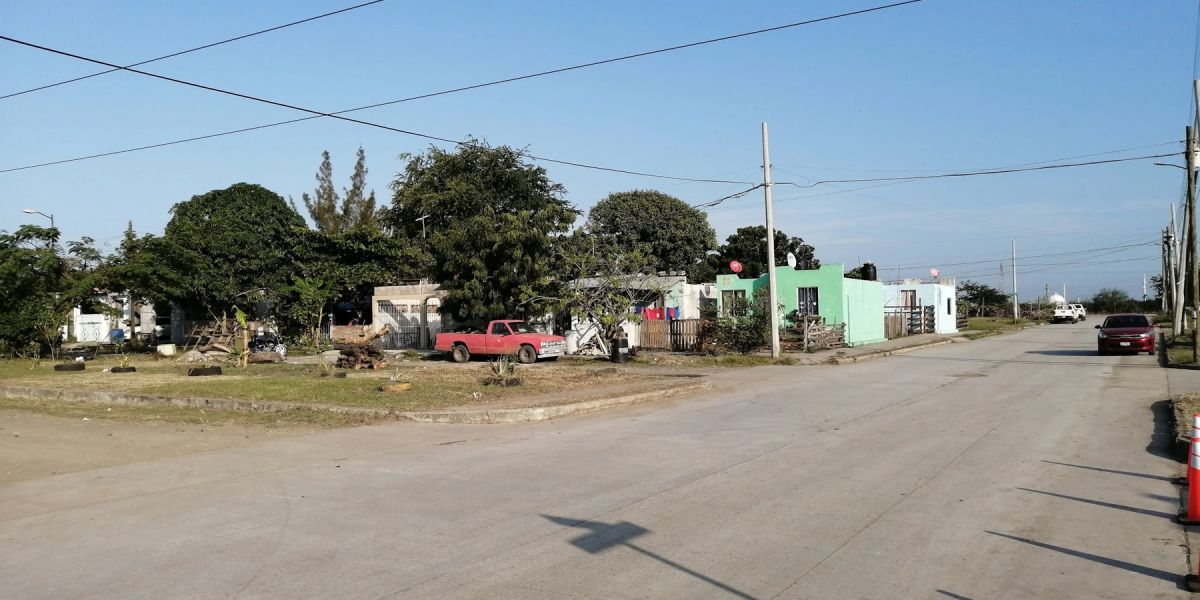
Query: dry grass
x,y
1184,406
435,386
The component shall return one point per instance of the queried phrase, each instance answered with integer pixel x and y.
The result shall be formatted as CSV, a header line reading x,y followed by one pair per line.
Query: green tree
x,y
358,260
150,267
601,285
748,245
493,222
332,213
358,210
978,296
39,286
323,204
310,296
1112,300
669,230
241,237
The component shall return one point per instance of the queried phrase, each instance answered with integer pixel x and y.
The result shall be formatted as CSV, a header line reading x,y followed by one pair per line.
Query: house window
x,y
948,306
807,301
733,303
908,298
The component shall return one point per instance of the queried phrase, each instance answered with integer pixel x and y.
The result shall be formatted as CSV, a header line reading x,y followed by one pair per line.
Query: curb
x,y
536,414
481,416
880,354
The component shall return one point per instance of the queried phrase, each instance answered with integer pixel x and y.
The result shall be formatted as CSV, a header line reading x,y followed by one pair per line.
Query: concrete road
x,y
1020,466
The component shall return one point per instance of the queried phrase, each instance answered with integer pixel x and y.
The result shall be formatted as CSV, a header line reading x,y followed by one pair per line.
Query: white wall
x,y
945,321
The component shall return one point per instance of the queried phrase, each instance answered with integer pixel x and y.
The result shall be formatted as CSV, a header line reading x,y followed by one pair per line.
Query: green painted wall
x,y
858,304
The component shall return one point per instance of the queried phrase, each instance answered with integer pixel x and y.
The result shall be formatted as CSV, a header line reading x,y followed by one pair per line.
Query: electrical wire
x,y
190,50
980,173
1040,162
477,86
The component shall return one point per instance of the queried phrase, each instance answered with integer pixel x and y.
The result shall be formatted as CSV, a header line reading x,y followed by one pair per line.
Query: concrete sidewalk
x,y
840,356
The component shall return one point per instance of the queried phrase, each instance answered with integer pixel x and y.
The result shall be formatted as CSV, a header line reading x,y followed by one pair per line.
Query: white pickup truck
x,y
1065,313
1081,311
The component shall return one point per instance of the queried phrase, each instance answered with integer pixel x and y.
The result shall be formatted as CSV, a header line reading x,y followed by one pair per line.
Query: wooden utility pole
x,y
1194,288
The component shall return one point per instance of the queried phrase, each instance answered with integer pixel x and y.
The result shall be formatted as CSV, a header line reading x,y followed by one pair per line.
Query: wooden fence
x,y
811,333
678,335
899,321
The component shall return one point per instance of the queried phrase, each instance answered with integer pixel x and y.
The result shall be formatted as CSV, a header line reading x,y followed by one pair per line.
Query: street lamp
x,y
1170,165
30,211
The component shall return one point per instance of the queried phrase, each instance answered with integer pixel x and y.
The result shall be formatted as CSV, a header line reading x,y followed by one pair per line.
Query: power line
x,y
979,173
335,114
190,50
1040,162
1006,259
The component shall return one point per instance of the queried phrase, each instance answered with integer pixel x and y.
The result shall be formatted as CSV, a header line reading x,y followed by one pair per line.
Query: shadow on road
x,y
1162,440
1132,509
1063,352
1104,560
607,535
1114,471
952,595
1026,362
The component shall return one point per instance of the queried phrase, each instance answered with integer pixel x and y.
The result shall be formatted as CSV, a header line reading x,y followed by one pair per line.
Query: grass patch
x,y
1184,406
435,385
192,416
981,327
675,360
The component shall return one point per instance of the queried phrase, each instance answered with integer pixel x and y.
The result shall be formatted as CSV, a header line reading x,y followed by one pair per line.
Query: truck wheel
x,y
460,354
527,355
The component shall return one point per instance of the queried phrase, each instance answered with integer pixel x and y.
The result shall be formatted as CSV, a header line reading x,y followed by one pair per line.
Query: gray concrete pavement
x,y
1018,466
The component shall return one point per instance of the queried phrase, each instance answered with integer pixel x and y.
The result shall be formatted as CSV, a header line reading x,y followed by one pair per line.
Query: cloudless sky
x,y
938,85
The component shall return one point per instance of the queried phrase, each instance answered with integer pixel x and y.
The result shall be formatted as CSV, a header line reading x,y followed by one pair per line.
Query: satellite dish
x,y
934,273
735,266
791,260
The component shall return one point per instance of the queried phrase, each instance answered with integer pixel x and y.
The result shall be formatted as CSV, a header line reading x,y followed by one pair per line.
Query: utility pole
x,y
1016,296
422,220
1065,298
1144,287
1001,280
1190,157
771,293
1179,237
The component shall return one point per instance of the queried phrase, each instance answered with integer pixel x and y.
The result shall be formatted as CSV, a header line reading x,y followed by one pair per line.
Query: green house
x,y
825,292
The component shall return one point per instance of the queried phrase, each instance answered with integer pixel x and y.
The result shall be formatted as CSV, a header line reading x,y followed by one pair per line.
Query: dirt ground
x,y
33,446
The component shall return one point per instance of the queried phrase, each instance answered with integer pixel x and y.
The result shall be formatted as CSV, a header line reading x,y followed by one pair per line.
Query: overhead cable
x,y
190,50
472,87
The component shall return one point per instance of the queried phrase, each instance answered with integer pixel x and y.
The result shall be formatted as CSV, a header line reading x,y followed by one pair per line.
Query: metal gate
x,y
404,325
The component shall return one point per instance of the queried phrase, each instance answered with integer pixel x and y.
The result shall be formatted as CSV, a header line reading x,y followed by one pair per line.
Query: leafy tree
x,y
356,261
600,285
332,213
1156,284
311,294
358,210
241,238
150,267
669,230
748,245
39,286
1112,300
980,295
492,227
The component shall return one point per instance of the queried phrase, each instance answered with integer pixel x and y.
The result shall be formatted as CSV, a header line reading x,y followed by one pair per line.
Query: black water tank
x,y
868,271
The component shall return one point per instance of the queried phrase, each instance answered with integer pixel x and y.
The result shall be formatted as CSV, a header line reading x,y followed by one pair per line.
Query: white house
x,y
940,294
411,313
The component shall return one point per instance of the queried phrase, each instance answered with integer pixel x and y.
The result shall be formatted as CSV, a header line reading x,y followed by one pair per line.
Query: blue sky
x,y
939,85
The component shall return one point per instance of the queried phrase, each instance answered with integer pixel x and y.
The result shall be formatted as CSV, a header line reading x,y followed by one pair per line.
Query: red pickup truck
x,y
500,337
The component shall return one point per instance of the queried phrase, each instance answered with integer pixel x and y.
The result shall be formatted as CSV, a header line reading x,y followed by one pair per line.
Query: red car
x,y
507,336
1125,333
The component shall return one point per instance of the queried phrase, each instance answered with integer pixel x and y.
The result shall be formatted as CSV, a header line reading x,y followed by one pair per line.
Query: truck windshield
x,y
521,327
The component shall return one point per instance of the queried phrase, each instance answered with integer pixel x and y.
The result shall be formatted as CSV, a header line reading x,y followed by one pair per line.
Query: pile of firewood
x,y
362,355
